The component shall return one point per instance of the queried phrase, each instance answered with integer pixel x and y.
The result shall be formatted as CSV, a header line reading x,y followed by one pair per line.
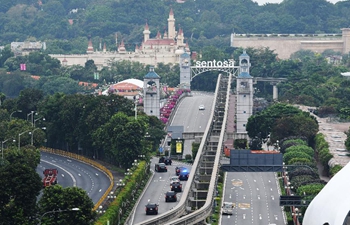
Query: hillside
x,y
65,25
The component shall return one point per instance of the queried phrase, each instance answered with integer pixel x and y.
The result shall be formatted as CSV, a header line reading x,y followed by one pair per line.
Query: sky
x,y
262,2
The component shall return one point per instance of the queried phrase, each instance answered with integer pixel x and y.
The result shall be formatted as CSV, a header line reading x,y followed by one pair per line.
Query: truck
x,y
50,177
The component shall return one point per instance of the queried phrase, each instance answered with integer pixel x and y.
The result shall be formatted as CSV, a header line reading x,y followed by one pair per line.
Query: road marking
x,y
243,216
272,197
71,175
260,216
96,174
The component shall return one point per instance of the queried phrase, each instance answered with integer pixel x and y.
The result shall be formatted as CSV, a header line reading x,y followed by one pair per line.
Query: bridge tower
x,y
185,70
244,89
151,93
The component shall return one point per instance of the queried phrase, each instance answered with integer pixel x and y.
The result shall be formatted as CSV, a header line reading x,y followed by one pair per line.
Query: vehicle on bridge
x,y
50,177
174,179
201,107
165,160
178,170
176,186
160,167
170,196
227,208
184,174
151,208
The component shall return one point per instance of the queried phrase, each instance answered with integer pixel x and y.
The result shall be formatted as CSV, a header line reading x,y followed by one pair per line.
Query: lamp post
x,y
31,113
32,133
57,211
296,214
13,113
19,139
2,147
37,120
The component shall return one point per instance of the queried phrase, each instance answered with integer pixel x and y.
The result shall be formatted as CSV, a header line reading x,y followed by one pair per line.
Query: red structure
x,y
50,177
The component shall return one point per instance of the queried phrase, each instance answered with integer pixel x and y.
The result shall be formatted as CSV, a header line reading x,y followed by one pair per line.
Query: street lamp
x,y
31,113
13,113
37,120
32,133
57,211
19,139
2,147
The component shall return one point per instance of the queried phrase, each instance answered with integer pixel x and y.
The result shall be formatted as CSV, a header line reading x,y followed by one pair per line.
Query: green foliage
x,y
301,148
312,189
335,169
19,189
57,198
291,155
240,143
195,147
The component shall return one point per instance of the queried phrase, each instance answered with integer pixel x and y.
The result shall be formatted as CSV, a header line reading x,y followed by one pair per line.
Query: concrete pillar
x,y
346,40
275,92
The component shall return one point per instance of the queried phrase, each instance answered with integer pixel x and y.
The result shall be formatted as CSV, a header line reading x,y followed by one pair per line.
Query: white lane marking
x,y
71,175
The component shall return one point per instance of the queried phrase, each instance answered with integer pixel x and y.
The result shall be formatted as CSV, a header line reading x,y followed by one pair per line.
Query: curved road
x,y
193,119
75,173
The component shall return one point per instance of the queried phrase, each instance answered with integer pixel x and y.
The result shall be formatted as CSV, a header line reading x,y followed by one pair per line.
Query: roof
x,y
136,82
244,75
151,74
332,204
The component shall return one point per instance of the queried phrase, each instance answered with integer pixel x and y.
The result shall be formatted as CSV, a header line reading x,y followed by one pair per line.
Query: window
x,y
243,125
244,111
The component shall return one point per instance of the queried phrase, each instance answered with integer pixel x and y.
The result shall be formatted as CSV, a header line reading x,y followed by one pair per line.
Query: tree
x,y
20,186
56,198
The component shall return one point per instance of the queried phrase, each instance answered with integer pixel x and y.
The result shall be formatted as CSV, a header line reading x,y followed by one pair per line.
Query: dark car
x,y
170,196
176,186
165,160
151,208
160,167
178,170
184,174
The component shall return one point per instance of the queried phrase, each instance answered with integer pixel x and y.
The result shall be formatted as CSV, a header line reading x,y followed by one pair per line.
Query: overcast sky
x,y
261,2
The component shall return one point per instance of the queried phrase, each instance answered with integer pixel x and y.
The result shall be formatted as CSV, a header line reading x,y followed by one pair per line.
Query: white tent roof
x,y
137,82
332,204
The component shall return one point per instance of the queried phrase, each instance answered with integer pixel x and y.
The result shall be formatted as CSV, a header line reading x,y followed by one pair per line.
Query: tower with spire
x,y
151,93
171,25
90,48
244,105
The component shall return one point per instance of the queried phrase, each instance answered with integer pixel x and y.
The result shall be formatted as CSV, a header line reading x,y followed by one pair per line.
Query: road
x,y
193,119
256,197
75,173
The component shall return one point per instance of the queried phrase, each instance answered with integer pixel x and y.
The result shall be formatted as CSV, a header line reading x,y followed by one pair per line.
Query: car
x,y
176,186
170,196
178,169
174,179
151,208
184,174
227,208
165,160
160,167
201,107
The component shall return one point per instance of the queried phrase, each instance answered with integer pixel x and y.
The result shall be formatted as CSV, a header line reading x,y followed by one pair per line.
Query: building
x,y
163,48
24,48
286,44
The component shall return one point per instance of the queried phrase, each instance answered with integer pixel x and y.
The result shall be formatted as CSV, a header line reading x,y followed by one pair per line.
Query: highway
x,y
75,173
193,119
256,198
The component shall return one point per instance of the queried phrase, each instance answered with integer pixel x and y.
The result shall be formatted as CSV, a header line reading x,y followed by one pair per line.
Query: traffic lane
x,y
156,190
63,178
189,115
87,177
238,191
273,195
256,197
260,202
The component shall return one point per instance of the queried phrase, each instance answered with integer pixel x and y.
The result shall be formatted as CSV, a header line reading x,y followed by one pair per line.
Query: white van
x,y
227,208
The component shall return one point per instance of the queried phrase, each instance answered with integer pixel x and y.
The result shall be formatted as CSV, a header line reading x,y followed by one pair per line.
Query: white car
x,y
174,179
227,208
201,107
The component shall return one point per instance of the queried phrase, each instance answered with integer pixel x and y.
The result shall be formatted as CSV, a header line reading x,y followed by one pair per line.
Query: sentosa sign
x,y
215,63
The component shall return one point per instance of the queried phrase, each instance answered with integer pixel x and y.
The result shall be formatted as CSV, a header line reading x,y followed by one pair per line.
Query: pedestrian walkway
x,y
335,137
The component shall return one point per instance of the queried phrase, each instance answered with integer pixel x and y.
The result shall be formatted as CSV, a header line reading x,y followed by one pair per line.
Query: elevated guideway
x,y
197,199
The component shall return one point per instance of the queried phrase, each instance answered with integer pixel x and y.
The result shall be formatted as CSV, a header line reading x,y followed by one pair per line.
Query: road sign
x,y
160,149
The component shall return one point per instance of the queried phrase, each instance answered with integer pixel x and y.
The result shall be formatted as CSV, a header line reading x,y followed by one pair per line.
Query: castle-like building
x,y
165,48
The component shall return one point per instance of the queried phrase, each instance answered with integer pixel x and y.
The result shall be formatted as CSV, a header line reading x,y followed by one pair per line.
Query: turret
x,y
90,48
171,25
146,33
